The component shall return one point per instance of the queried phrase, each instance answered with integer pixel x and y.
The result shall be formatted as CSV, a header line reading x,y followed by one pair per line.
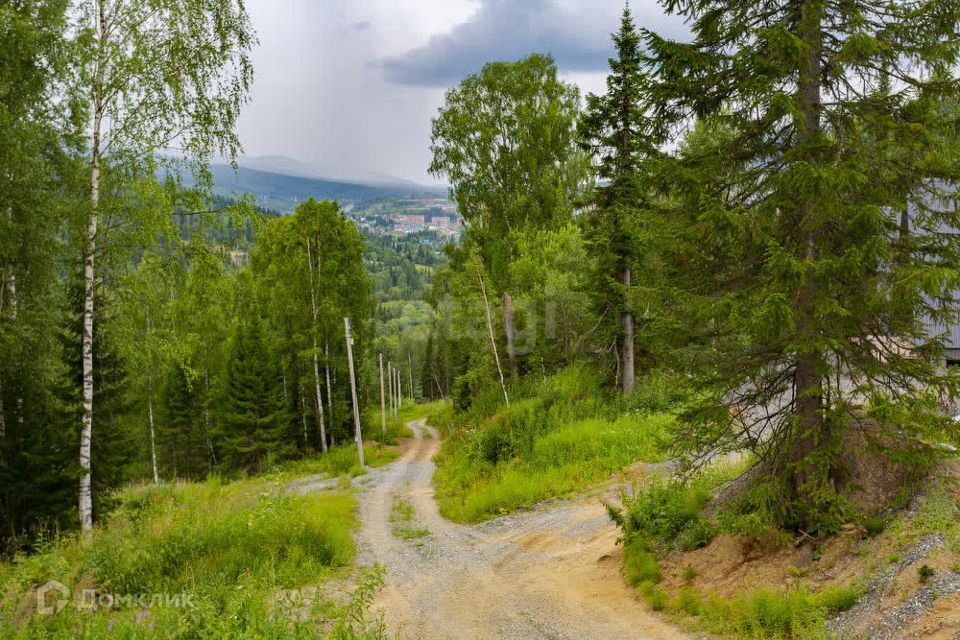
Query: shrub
x,y
639,564
688,601
666,511
874,526
698,533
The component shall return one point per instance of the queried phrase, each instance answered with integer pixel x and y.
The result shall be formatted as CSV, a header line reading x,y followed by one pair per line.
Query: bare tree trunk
x,y
89,251
326,353
316,364
627,350
383,406
153,437
303,417
353,392
319,397
511,334
12,286
493,342
211,456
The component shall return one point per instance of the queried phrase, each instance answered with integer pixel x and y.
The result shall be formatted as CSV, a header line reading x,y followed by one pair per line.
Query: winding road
x,y
548,573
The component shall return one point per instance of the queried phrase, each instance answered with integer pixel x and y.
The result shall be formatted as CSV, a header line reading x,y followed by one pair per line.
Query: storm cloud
x,y
575,32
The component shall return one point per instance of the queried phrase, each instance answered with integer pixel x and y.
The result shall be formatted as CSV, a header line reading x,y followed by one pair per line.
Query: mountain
x,y
283,191
324,171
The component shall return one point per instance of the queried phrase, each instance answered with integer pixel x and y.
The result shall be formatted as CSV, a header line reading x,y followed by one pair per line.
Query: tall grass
x,y
225,552
554,442
339,461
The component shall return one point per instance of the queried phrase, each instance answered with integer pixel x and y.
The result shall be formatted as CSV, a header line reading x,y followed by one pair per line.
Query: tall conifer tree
x,y
820,208
613,131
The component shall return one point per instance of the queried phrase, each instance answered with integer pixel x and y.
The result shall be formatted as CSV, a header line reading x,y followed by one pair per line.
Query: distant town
x,y
403,215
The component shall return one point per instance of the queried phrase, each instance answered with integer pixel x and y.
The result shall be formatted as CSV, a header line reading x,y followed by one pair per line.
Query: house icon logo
x,y
57,599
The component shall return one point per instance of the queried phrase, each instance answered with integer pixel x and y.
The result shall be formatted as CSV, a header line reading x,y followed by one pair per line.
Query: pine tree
x,y
816,193
613,130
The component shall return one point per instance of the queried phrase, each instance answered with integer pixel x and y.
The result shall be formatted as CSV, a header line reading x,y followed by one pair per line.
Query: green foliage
x,y
504,140
664,511
874,526
542,446
639,563
804,253
252,417
790,614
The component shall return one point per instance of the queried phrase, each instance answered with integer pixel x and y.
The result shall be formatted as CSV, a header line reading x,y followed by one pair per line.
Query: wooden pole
x,y
353,392
410,375
390,386
383,406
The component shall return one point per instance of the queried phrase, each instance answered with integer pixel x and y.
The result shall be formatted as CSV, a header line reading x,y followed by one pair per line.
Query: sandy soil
x,y
552,572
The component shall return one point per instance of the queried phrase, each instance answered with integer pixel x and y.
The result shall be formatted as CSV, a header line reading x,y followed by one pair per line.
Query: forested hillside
x,y
687,369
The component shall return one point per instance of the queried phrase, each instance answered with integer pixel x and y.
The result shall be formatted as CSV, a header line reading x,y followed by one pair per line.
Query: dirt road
x,y
547,573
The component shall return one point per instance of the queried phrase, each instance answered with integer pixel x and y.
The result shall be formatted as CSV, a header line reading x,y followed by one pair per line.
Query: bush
x,y
874,526
698,533
666,511
639,564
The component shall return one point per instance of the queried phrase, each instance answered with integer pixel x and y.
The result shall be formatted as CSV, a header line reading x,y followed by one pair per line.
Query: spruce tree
x,y
613,131
252,415
818,197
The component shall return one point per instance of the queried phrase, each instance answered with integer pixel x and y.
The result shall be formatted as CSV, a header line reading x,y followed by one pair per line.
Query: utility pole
x,y
383,406
353,392
410,375
390,385
399,392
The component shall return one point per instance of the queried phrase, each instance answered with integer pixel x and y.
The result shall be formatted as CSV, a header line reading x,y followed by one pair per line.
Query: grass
x,y
338,461
224,553
471,488
402,522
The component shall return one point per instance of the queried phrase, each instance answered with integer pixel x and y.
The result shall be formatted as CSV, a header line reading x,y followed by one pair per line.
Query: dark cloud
x,y
576,33
363,25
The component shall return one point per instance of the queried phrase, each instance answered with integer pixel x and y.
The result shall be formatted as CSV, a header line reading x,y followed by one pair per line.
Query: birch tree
x,y
162,82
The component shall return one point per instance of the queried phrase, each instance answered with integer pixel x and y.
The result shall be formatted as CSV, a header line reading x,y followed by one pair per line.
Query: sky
x,y
349,86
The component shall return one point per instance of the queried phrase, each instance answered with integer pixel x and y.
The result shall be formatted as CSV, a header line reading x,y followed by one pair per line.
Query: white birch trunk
x,y
86,431
303,417
326,352
153,438
316,361
493,342
353,393
212,457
